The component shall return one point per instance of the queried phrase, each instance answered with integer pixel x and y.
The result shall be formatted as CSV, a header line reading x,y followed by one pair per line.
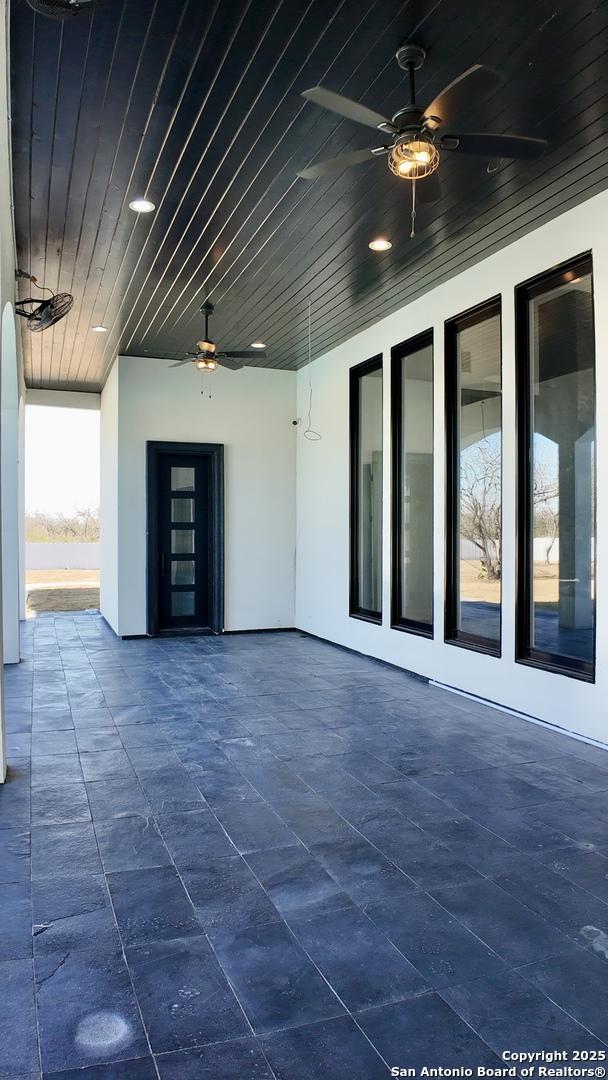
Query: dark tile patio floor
x,y
261,856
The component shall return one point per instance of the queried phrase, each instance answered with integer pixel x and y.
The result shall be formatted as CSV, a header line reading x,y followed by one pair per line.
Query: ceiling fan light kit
x,y
206,363
413,160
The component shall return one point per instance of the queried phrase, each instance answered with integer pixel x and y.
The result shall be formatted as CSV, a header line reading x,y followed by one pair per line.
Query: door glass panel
x,y
182,510
182,572
182,603
182,479
182,541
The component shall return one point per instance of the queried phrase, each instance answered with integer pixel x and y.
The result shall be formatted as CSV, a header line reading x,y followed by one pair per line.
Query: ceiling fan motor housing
x,y
409,120
410,55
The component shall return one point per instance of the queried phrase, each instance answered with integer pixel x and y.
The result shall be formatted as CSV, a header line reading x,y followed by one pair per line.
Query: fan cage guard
x,y
414,159
47,312
62,9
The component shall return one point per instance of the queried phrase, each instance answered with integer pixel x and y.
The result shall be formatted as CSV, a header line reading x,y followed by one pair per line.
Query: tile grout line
x,y
120,938
243,856
203,934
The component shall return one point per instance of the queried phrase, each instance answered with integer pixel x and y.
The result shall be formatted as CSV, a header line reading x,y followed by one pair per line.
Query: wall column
x,y
9,491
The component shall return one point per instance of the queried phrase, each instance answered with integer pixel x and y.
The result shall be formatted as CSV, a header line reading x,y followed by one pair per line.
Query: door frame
x,y
215,453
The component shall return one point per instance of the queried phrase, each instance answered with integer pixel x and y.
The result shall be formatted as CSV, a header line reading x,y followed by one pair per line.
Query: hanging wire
x,y
20,274
413,232
310,433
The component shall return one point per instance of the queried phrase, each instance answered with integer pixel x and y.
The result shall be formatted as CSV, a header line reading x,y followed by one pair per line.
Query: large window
x,y
412,442
366,490
474,478
556,505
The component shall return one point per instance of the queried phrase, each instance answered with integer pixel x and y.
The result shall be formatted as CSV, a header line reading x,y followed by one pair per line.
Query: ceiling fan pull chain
x,y
413,232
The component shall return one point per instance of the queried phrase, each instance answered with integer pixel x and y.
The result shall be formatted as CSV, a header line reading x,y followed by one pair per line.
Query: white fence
x,y
542,546
62,556
470,551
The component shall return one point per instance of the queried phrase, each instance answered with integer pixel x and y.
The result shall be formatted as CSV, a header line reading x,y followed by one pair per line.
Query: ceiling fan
x,y
207,357
415,133
42,313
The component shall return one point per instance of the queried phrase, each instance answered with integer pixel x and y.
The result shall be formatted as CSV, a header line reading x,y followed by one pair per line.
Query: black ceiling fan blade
x,y
495,146
242,354
180,363
463,94
229,362
428,190
340,163
351,110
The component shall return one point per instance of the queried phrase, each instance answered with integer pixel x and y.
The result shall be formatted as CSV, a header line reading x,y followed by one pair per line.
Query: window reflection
x,y
412,390
475,510
560,525
366,465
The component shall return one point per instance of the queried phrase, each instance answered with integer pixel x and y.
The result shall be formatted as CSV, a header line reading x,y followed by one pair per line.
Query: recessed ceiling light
x,y
142,206
100,329
258,345
381,244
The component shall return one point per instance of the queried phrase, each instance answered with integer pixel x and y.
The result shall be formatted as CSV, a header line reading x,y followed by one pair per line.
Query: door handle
x,y
162,564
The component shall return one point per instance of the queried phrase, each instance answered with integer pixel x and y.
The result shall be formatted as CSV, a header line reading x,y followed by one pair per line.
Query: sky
x,y
61,459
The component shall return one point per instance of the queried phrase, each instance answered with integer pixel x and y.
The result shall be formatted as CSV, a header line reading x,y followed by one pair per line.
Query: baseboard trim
x,y
466,694
366,656
192,632
264,630
496,705
520,715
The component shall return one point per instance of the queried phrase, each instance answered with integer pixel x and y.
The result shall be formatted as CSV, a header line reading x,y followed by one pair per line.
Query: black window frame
x,y
375,363
398,354
452,634
526,654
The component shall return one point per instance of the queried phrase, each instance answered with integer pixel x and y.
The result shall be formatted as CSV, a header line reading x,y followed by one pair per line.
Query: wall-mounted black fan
x,y
416,134
62,9
42,313
208,358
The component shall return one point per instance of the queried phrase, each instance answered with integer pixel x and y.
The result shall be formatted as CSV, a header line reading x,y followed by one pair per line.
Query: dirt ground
x,y
62,577
546,583
61,590
77,590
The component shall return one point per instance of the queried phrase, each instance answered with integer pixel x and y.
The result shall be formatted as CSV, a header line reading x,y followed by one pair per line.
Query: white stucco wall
x,y
251,413
108,497
9,488
322,576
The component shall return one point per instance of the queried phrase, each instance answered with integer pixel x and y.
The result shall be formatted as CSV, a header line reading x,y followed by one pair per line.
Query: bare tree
x,y
89,522
480,504
545,498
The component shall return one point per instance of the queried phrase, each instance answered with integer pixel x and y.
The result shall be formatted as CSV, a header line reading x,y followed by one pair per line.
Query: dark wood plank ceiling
x,y
197,105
